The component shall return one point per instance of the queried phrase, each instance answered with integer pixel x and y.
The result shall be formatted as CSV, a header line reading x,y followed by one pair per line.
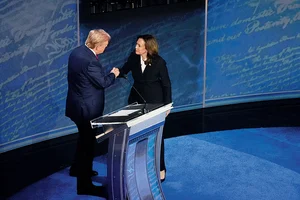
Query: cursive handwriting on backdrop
x,y
253,47
36,38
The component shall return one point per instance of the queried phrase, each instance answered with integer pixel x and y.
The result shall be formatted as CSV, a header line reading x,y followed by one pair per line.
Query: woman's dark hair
x,y
151,46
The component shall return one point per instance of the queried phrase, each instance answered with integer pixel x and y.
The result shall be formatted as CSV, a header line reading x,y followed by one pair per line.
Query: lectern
x,y
133,162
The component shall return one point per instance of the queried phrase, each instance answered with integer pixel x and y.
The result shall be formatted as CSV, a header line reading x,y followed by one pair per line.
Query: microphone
x,y
144,108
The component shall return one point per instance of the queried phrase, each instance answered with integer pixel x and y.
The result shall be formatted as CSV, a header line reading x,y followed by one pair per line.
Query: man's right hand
x,y
116,71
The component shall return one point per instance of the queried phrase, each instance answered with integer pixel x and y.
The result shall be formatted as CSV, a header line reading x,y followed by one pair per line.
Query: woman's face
x,y
140,48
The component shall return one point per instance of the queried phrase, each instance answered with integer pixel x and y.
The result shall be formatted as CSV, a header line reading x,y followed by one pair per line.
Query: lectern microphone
x,y
144,101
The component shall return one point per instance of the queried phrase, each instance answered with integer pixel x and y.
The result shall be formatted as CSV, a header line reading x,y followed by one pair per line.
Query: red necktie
x,y
96,56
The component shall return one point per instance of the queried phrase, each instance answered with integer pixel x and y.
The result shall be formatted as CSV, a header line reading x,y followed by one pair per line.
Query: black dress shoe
x,y
93,190
74,173
94,173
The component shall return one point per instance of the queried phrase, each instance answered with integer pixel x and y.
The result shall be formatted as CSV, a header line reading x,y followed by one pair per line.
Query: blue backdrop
x,y
35,40
179,31
253,51
252,54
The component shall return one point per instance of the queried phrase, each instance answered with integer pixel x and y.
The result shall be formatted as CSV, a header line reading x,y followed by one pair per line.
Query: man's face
x,y
101,47
140,47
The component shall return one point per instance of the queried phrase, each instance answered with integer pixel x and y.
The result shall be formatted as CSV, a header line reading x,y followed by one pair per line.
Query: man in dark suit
x,y
87,80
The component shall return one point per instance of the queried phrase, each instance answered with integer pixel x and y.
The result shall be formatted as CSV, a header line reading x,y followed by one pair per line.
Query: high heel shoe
x,y
163,175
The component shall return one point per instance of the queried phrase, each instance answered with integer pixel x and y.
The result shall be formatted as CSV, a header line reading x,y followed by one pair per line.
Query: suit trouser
x,y
85,151
162,154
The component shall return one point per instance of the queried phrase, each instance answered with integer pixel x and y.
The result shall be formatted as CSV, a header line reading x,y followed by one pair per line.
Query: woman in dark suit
x,y
151,79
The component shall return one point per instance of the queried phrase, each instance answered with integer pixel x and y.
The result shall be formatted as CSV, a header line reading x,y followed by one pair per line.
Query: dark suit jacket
x,y
86,82
153,84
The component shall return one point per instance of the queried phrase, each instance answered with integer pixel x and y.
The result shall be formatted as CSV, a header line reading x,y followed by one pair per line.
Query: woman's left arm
x,y
165,81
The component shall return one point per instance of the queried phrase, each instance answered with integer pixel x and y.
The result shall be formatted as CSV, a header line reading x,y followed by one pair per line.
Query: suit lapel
x,y
154,61
139,65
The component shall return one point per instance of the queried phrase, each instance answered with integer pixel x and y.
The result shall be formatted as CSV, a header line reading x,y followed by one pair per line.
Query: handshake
x,y
115,71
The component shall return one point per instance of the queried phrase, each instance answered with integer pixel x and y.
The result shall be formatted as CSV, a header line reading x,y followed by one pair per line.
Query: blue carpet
x,y
238,164
243,164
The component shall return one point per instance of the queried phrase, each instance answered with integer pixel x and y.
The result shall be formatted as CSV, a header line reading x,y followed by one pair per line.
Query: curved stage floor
x,y
242,164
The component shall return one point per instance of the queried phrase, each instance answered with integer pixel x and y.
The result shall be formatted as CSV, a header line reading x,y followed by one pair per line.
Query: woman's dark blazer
x,y
154,84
